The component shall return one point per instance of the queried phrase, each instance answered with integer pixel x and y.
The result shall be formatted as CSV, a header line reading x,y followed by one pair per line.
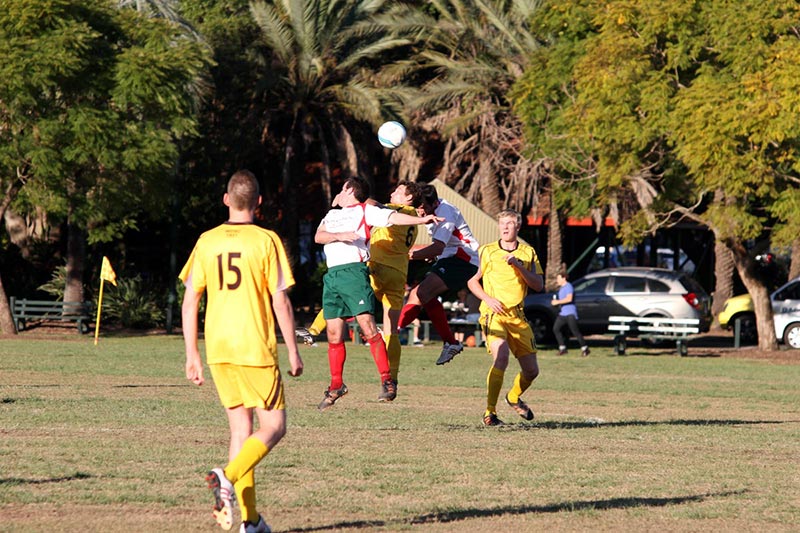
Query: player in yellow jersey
x,y
507,269
388,272
245,272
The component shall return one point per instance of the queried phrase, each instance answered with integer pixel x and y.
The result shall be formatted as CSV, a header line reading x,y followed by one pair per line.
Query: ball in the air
x,y
391,134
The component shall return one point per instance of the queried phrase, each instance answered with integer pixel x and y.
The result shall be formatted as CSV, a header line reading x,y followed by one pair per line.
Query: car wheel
x,y
748,332
655,343
791,335
542,328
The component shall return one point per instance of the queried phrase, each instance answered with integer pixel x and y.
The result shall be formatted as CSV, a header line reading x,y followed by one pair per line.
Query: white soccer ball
x,y
391,134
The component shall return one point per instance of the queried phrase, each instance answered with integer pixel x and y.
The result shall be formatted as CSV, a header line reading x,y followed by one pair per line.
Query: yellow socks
x,y
393,351
253,450
246,494
318,326
520,385
494,382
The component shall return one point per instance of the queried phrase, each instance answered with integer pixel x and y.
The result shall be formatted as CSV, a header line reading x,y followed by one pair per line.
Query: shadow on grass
x,y
584,424
20,481
465,514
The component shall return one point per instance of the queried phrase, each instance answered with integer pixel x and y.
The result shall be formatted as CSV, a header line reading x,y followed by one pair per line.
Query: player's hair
x,y
360,188
510,213
428,194
414,191
562,271
243,190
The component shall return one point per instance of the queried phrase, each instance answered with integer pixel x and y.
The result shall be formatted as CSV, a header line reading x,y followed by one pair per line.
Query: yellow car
x,y
740,307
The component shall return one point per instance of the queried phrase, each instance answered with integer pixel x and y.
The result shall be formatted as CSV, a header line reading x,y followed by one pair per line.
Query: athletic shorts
x,y
454,272
389,285
346,292
514,330
249,386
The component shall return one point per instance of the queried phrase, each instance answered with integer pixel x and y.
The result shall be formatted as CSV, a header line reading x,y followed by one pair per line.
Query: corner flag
x,y
107,273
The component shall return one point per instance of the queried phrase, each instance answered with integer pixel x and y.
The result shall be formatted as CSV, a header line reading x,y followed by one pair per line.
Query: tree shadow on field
x,y
20,481
594,423
465,514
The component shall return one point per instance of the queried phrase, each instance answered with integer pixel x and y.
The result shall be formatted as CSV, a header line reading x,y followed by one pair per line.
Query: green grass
x,y
112,437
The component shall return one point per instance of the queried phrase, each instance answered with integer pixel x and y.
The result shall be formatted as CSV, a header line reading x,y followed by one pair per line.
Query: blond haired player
x,y
246,274
508,268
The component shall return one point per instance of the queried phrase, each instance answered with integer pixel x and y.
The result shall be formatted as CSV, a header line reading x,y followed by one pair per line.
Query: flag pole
x,y
99,308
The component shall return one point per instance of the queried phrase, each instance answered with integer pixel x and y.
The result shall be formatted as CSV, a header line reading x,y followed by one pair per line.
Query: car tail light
x,y
692,299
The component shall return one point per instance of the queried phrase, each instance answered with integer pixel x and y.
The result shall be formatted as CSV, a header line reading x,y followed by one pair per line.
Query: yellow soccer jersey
x,y
240,266
501,280
390,245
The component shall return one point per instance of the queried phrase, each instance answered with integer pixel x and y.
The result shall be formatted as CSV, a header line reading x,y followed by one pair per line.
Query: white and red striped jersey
x,y
454,233
358,218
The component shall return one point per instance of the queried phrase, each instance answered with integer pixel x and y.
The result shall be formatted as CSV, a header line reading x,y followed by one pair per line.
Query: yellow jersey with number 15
x,y
239,266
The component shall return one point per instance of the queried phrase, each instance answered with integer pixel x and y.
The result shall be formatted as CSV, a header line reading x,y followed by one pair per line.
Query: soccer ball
x,y
391,134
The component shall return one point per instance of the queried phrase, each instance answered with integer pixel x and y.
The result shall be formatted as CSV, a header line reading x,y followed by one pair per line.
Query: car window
x,y
591,285
657,286
790,292
628,284
691,285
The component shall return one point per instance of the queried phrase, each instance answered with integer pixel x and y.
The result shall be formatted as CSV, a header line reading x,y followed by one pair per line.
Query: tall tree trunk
x,y
794,268
289,222
554,246
490,186
723,274
745,265
6,320
76,263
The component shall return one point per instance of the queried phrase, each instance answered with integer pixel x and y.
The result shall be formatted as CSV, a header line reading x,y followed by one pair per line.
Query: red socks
x,y
439,320
408,314
378,349
336,357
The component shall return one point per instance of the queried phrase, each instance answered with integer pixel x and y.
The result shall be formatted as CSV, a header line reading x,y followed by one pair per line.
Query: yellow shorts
x,y
389,285
512,329
250,386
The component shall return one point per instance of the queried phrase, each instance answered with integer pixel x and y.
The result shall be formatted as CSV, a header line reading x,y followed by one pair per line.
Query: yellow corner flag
x,y
106,274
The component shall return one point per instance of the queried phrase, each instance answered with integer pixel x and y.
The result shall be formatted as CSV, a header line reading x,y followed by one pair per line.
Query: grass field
x,y
113,438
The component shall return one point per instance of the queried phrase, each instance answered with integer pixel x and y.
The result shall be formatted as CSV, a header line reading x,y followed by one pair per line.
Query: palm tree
x,y
477,50
321,62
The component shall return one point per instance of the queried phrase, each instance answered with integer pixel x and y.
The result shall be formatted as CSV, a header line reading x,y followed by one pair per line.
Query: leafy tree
x,y
687,108
92,99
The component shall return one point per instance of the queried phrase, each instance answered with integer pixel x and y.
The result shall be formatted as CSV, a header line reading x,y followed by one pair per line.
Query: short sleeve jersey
x,y
454,232
240,266
359,218
390,245
501,280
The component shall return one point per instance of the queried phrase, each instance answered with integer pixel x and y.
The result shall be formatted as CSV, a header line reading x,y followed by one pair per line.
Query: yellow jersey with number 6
x,y
390,245
239,266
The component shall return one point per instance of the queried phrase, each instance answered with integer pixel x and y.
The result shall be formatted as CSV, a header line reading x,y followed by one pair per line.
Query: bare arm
x,y
565,300
432,251
284,314
323,236
403,219
189,308
532,279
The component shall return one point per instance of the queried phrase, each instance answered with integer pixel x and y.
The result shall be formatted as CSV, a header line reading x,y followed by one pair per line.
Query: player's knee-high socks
x,y
253,450
494,382
408,314
378,350
336,357
521,384
393,351
438,318
246,495
318,325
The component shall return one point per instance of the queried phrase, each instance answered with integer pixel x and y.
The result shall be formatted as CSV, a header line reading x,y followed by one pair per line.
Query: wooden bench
x,y
652,327
426,330
44,310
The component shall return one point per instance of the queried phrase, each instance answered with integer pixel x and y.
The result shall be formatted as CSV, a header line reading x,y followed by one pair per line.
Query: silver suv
x,y
624,291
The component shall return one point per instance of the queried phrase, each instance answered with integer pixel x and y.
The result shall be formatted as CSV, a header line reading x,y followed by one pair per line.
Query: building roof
x,y
483,225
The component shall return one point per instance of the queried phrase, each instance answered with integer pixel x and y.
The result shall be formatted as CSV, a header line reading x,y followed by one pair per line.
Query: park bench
x,y
425,325
46,310
654,328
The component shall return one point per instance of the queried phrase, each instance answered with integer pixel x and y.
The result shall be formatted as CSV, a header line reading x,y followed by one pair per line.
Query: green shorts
x,y
454,272
346,292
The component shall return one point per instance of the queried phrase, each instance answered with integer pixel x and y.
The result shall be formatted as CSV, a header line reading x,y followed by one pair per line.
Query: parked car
x,y
624,291
785,308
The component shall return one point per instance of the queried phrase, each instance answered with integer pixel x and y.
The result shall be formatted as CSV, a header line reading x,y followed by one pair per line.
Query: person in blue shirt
x,y
567,315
